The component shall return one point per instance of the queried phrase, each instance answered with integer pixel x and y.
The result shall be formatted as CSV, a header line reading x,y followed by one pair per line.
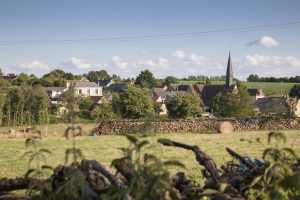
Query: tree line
x,y
256,78
24,105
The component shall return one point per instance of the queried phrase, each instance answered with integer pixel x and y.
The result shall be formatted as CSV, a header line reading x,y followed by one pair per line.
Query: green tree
x,y
22,80
233,104
145,79
295,91
94,76
101,112
2,102
170,80
253,78
85,103
135,102
184,106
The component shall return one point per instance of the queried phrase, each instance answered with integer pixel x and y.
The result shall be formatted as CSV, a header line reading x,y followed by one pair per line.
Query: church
x,y
205,92
210,91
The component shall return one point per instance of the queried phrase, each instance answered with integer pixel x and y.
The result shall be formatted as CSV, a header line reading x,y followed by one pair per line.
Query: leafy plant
x,y
279,180
37,162
146,175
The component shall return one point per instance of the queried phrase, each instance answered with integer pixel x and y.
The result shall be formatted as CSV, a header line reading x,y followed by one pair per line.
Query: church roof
x,y
210,91
229,72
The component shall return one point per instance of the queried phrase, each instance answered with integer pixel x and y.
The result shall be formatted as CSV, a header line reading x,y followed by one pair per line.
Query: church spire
x,y
229,73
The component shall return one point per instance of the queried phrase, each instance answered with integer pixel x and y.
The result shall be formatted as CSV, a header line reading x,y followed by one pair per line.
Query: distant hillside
x,y
269,88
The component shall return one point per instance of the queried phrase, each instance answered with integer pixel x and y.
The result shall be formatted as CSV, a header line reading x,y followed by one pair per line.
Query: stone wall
x,y
201,125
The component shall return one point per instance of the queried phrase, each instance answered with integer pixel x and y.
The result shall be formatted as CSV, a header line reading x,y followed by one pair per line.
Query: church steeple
x,y
229,73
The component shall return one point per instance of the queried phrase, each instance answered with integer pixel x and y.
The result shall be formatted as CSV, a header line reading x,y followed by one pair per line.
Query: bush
x,y
184,106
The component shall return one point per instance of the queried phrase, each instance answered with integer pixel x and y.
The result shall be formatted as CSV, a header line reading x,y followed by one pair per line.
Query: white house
x,y
87,89
54,92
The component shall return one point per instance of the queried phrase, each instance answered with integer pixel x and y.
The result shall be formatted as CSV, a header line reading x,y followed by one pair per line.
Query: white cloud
x,y
265,41
79,63
35,65
179,54
119,62
196,60
267,66
158,64
262,60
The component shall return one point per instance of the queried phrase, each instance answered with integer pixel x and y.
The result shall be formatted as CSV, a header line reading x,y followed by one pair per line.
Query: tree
x,y
208,82
2,101
85,103
94,76
135,102
295,91
184,106
170,80
101,112
22,80
145,79
233,104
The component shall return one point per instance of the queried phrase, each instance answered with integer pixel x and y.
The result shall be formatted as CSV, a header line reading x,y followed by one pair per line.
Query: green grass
x,y
105,148
48,130
268,88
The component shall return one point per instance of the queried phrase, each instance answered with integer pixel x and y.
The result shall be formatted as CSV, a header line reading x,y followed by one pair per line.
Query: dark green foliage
x,y
279,180
295,91
135,102
94,76
102,112
256,78
145,79
149,178
26,106
54,78
184,106
170,80
233,104
85,103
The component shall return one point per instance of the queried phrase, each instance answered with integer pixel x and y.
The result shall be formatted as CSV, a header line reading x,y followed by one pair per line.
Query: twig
x,y
202,158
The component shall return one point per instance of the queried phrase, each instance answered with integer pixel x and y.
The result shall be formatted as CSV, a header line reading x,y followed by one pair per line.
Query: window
x,y
88,91
96,91
80,91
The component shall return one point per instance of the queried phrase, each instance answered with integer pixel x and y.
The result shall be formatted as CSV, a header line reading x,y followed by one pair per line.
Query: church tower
x,y
229,73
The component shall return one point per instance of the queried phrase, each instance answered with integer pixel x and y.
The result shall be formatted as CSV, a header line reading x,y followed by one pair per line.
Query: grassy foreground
x,y
105,148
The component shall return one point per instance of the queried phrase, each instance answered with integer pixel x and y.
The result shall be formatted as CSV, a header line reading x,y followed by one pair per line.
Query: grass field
x,y
268,88
105,148
48,130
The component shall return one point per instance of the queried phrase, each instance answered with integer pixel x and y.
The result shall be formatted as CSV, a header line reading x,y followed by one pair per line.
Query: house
x,y
85,88
54,93
116,87
98,99
256,94
105,83
162,106
272,105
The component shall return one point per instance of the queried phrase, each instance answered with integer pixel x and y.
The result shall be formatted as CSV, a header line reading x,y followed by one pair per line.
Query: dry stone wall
x,y
200,125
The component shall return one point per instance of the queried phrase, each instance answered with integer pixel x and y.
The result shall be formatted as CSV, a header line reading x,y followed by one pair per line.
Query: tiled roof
x,y
56,89
210,91
104,83
117,86
86,84
96,99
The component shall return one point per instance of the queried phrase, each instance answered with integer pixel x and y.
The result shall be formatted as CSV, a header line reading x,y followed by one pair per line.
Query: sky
x,y
125,37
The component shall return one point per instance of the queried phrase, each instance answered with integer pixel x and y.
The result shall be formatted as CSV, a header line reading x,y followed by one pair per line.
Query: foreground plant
x,y
140,175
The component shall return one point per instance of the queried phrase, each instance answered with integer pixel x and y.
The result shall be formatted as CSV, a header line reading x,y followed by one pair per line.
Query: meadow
x,y
268,87
105,148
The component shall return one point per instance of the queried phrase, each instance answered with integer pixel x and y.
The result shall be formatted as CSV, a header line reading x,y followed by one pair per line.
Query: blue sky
x,y
271,52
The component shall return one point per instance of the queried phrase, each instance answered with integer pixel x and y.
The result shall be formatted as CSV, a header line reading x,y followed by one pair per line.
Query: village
x,y
102,91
